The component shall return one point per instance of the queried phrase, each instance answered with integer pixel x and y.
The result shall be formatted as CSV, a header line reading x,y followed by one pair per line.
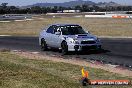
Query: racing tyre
x,y
99,49
43,45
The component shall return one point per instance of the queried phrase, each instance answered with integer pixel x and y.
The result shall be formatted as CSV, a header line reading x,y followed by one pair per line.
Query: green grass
x,y
99,27
19,72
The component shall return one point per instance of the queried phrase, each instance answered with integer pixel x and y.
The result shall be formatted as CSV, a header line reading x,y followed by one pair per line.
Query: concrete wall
x,y
109,16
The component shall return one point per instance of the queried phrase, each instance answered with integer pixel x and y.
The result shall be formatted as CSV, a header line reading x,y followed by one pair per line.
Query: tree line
x,y
4,9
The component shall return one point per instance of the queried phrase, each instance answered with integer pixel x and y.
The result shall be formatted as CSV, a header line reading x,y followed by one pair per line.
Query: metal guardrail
x,y
110,16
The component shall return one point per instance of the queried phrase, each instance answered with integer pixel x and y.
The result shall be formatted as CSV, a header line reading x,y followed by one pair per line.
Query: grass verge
x,y
99,27
19,72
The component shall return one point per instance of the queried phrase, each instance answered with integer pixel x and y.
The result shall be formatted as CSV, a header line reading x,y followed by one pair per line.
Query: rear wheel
x,y
64,47
43,45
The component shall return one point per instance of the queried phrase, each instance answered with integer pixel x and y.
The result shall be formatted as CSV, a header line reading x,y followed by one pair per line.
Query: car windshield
x,y
72,30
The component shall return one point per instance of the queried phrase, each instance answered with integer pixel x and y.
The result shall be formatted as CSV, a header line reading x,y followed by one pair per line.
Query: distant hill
x,y
104,4
73,3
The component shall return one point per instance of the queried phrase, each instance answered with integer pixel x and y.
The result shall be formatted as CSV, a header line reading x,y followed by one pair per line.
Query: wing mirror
x,y
58,33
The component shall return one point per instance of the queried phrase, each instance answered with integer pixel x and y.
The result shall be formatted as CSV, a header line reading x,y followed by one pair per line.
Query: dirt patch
x,y
75,61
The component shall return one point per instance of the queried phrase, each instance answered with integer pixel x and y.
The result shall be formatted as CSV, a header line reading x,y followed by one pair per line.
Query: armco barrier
x,y
98,16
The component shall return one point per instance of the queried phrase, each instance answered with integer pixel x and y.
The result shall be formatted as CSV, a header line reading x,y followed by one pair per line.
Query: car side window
x,y
50,29
55,29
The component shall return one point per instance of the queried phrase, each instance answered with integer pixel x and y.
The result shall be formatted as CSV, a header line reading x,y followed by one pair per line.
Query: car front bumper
x,y
82,47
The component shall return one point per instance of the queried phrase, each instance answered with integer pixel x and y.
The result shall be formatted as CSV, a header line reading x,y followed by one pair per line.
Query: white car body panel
x,y
53,40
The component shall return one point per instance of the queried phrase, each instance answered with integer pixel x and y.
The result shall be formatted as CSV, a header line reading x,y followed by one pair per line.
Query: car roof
x,y
65,24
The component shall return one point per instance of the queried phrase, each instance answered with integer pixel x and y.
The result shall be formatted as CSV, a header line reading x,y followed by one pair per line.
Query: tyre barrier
x,y
108,16
116,16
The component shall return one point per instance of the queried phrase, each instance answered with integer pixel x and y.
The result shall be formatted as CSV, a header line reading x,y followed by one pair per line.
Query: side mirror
x,y
58,33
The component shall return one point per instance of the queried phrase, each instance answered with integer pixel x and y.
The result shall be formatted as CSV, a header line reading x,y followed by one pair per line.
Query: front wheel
x,y
64,47
99,49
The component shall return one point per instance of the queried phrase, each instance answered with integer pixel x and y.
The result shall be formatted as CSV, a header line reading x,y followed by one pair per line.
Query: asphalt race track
x,y
115,51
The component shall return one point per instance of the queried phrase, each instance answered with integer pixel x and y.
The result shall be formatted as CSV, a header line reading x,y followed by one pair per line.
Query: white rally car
x,y
68,37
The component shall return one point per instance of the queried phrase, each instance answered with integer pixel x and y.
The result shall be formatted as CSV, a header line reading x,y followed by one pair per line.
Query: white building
x,y
71,11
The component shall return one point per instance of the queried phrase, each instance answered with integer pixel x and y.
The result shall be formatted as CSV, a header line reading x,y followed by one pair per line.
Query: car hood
x,y
83,37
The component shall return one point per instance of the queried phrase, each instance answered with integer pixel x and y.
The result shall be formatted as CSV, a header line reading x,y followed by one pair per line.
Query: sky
x,y
30,2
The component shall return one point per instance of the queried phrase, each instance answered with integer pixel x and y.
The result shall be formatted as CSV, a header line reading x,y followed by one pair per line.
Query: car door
x,y
56,39
48,36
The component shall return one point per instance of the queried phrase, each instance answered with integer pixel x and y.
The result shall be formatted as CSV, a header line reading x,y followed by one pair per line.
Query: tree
x,y
96,8
36,9
85,8
78,7
4,5
54,9
60,8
